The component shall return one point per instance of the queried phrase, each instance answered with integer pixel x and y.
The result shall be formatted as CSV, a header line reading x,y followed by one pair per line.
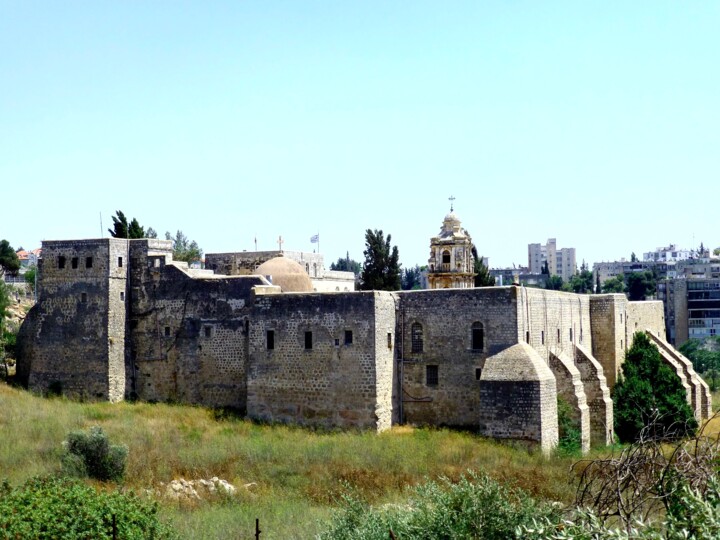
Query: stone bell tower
x,y
451,261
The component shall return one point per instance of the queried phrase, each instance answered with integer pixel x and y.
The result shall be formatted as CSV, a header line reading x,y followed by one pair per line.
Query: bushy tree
x,y
381,270
649,392
640,285
183,248
614,285
705,357
411,278
554,283
346,264
482,272
581,283
9,262
123,229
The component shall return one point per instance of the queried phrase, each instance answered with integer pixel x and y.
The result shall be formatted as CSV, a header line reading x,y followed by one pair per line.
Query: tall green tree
x,y
9,262
123,229
346,264
482,272
381,270
648,392
183,248
640,285
581,283
411,278
554,283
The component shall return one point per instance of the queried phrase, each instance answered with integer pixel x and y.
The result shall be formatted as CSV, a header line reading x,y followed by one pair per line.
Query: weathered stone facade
x,y
132,322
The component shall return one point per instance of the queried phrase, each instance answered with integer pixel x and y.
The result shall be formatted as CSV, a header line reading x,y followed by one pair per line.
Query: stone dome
x,y
286,274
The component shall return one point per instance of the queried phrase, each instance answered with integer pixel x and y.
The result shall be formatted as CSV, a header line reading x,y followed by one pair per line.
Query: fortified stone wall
x,y
608,319
189,337
321,359
74,336
643,316
441,363
553,320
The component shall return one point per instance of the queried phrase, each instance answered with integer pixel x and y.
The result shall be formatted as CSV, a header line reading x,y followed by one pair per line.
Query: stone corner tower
x,y
451,261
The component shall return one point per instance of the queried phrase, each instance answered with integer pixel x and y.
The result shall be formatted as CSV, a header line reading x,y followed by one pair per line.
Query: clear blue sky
x,y
597,123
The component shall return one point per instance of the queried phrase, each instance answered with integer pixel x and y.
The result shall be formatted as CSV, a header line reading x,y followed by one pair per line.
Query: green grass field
x,y
296,474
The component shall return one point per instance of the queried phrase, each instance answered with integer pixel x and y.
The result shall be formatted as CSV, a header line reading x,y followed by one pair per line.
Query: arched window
x,y
478,336
446,257
416,338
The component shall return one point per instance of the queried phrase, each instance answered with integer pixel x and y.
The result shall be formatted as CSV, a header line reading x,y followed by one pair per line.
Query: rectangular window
x,y
558,335
167,331
208,331
389,339
308,340
88,262
337,342
270,339
477,339
478,373
348,337
61,262
83,297
122,296
571,334
119,262
527,337
74,262
431,375
542,337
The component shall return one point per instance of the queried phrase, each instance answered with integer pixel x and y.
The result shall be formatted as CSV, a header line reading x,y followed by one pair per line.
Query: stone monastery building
x,y
118,319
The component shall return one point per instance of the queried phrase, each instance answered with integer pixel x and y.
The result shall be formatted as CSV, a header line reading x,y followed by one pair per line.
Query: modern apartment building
x,y
561,262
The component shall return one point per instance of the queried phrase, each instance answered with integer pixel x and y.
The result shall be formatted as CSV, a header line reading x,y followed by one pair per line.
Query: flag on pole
x,y
315,238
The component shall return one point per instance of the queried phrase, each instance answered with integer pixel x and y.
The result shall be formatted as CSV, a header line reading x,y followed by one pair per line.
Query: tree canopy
x,y
123,229
640,285
411,277
346,264
381,270
614,285
9,262
648,392
554,283
581,283
482,272
183,248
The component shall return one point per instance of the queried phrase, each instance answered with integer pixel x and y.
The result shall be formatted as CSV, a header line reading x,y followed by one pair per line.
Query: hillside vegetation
x,y
288,477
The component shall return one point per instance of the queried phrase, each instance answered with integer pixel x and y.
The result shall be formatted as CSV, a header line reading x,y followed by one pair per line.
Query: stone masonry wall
x,y
75,335
189,334
642,316
323,366
609,317
446,318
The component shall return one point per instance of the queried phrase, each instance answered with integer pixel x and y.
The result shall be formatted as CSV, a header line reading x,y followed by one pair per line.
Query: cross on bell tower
x,y
452,200
280,243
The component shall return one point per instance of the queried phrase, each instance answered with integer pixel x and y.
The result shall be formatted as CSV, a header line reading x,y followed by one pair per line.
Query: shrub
x,y
570,436
475,507
91,454
48,508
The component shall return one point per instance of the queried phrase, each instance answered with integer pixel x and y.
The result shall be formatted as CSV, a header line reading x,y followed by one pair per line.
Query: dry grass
x,y
298,472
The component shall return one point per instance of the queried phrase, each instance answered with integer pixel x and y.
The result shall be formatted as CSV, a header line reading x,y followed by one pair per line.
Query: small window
x,y
348,337
478,373
542,337
88,262
571,334
119,262
74,262
431,375
389,339
580,335
308,340
122,296
270,339
337,342
208,331
558,335
83,297
527,337
446,257
478,336
247,326
416,338
167,331
61,262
